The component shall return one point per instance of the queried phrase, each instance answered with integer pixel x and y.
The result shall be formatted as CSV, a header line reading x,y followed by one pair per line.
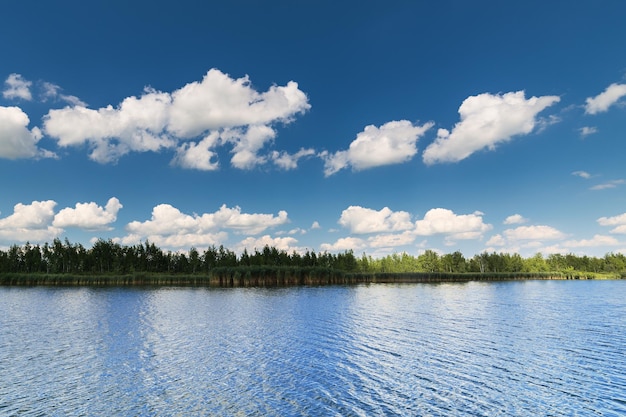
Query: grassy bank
x,y
268,276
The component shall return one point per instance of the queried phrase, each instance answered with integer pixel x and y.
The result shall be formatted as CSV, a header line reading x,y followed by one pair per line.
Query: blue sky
x,y
379,127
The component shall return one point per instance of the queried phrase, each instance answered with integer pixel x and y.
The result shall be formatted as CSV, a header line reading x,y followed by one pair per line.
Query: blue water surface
x,y
532,348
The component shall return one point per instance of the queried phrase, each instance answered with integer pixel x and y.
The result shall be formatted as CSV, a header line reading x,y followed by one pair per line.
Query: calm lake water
x,y
535,348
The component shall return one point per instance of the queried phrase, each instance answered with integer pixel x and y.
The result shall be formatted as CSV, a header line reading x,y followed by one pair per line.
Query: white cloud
x,y
247,144
217,105
515,219
199,155
457,226
289,161
607,185
287,244
597,240
53,92
17,87
587,130
136,125
219,101
89,216
343,244
606,99
486,120
391,240
619,221
364,220
539,233
30,222
392,143
582,174
496,240
315,225
16,141
172,228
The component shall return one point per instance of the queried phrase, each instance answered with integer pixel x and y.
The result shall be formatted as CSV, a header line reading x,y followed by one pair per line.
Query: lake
x,y
523,348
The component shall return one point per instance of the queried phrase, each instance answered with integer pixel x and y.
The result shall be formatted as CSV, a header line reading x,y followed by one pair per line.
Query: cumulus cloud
x,y
537,233
136,125
618,221
606,99
394,142
89,216
16,87
582,174
216,107
391,240
289,161
287,244
392,229
515,219
170,227
32,222
597,240
343,244
364,220
16,140
247,144
525,237
199,155
456,226
487,120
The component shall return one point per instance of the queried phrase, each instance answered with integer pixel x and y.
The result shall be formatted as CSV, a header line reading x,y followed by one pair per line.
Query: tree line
x,y
431,261
108,257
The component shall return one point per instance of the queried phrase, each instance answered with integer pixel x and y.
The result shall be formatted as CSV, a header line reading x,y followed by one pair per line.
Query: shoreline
x,y
271,278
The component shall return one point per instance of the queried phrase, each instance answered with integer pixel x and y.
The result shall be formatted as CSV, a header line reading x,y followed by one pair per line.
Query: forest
x,y
106,257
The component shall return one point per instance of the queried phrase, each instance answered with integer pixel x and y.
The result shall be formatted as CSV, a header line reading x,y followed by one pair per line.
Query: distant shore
x,y
273,277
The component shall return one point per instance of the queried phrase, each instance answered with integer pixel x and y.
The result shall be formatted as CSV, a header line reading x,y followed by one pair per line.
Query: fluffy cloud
x,y
619,221
486,120
136,125
31,222
343,244
597,240
384,222
539,233
216,107
515,219
364,220
525,237
89,216
287,244
391,240
17,87
170,227
392,143
582,174
219,101
289,161
456,226
199,155
606,99
16,141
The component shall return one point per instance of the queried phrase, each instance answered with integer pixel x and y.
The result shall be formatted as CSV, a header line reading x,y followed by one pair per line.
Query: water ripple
x,y
475,349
